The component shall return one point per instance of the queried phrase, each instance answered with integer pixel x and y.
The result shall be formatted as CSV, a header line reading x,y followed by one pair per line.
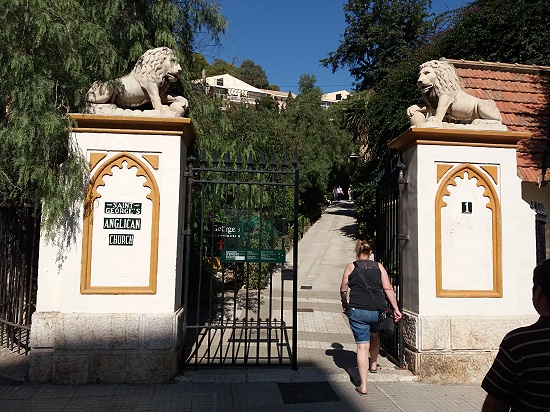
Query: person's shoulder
x,y
351,264
525,333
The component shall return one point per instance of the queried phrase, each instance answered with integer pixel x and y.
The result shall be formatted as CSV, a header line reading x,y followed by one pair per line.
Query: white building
x,y
236,91
331,98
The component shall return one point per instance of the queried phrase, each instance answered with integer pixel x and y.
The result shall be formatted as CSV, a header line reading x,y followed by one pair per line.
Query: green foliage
x,y
306,84
500,31
249,72
273,87
220,66
51,52
267,103
379,34
253,74
489,30
303,127
322,146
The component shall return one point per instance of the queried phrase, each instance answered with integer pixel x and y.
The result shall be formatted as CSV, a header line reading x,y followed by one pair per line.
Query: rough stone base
x,y
450,367
112,348
455,349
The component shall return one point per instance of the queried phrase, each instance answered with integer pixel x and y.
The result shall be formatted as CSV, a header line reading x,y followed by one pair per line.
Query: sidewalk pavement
x,y
326,375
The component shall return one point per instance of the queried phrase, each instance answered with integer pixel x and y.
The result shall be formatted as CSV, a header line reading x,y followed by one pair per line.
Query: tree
x,y
489,30
306,85
220,66
197,64
499,31
51,52
322,146
253,74
379,34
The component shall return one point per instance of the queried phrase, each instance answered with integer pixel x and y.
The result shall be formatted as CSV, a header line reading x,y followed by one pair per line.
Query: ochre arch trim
x,y
87,232
494,205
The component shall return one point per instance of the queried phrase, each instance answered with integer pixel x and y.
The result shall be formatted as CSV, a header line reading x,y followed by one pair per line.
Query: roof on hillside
x,y
522,94
231,82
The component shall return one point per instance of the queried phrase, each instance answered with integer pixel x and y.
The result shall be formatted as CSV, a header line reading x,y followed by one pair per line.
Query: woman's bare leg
x,y
363,364
374,349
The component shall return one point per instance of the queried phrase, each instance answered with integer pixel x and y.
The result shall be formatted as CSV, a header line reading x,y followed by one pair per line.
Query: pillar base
x,y
112,348
455,349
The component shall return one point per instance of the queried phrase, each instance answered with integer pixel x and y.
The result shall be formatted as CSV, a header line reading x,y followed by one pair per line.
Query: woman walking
x,y
367,281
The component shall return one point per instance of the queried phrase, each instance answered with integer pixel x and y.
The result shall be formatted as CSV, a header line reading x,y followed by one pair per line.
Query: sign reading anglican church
x,y
122,225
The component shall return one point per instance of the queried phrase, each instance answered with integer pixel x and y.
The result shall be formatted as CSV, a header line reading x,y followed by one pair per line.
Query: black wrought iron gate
x,y
19,243
239,290
389,239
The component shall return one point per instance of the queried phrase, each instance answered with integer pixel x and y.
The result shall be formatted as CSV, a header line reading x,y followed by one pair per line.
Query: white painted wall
x,y
60,268
518,236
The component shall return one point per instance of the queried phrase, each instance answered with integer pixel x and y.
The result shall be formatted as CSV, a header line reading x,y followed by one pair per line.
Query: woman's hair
x,y
362,246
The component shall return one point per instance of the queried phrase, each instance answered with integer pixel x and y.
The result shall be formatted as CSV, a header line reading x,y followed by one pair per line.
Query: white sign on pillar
x,y
121,220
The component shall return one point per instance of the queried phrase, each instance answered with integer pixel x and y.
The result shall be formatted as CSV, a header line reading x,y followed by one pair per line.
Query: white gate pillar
x,y
109,287
467,265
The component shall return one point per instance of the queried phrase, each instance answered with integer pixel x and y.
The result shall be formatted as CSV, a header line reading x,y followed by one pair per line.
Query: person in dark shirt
x,y
362,308
519,379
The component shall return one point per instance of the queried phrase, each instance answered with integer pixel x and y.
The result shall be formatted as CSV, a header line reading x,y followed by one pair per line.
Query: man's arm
x,y
492,404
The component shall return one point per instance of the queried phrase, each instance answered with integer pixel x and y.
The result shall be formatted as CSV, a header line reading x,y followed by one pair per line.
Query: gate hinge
x,y
187,232
401,236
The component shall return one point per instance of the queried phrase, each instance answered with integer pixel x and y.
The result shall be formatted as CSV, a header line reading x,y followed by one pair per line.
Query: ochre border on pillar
x,y
134,125
494,206
87,230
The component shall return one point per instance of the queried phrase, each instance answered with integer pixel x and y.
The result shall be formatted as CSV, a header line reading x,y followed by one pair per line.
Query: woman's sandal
x,y
373,370
359,392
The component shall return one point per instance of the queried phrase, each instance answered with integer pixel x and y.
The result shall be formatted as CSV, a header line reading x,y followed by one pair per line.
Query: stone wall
x,y
94,347
457,349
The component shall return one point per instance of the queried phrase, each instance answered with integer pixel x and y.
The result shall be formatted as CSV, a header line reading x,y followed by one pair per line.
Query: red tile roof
x,y
522,94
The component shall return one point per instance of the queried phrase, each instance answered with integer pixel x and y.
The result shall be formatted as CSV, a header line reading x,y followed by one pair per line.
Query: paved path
x,y
326,360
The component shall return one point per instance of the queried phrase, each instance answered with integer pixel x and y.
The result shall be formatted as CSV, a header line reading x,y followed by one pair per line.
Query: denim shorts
x,y
363,323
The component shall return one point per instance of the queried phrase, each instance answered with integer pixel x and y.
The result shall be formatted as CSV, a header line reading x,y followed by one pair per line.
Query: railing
x,y
19,241
540,230
389,239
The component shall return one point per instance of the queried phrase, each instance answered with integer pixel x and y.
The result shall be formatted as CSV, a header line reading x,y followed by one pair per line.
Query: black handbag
x,y
386,324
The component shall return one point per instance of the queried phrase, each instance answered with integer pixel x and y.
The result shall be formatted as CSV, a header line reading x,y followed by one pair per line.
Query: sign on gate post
x,y
253,255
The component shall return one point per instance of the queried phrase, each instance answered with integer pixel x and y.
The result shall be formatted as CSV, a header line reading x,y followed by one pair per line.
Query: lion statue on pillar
x,y
447,102
148,82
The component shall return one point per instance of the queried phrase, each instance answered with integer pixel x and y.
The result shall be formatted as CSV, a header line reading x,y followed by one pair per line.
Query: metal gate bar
x,y
19,241
234,312
389,237
540,230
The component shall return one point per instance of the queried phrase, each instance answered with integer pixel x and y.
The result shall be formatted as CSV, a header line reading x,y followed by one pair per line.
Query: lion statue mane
x,y
446,101
148,82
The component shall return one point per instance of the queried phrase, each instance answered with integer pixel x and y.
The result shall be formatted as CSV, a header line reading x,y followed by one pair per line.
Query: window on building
x,y
219,82
338,96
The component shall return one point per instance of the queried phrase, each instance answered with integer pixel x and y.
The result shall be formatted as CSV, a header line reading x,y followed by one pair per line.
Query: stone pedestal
x,y
109,287
471,250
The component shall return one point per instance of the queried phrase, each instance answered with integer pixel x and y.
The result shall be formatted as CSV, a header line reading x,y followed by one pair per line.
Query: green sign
x,y
253,255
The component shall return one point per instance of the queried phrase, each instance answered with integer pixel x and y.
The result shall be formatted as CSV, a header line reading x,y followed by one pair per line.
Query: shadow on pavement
x,y
341,208
345,360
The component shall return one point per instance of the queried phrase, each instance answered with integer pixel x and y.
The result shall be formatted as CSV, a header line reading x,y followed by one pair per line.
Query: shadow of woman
x,y
346,360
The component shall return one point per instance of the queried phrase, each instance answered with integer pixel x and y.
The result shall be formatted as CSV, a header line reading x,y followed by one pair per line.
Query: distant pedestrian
x,y
362,308
335,193
340,192
520,376
350,193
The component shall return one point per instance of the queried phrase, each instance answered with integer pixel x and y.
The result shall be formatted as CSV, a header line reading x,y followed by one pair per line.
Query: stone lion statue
x,y
446,101
148,82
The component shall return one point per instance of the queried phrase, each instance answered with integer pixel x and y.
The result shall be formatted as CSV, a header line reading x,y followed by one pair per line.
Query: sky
x,y
289,37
